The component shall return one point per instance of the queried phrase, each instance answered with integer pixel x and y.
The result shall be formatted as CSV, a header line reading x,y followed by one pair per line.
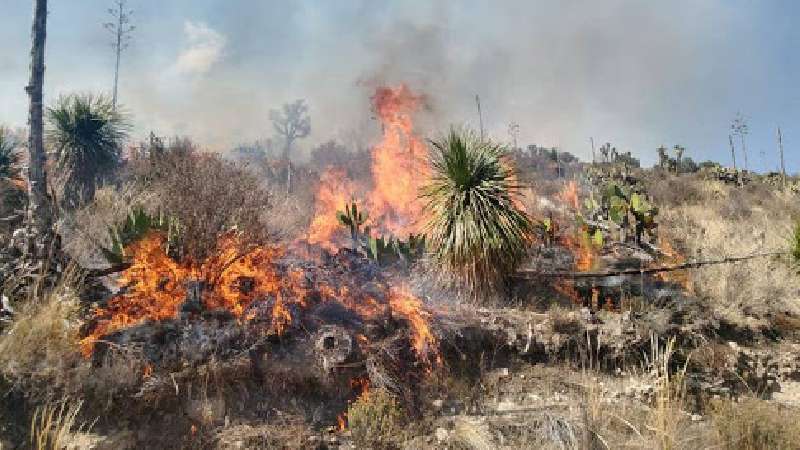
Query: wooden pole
x,y
780,148
480,115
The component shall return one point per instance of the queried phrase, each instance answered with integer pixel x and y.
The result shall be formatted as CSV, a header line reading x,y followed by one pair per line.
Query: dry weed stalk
x,y
54,424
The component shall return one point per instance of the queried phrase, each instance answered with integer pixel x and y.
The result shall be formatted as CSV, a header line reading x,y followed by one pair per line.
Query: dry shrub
x,y
754,424
375,419
731,221
209,196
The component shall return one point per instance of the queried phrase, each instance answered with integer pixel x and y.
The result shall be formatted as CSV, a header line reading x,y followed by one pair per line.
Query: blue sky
x,y
637,74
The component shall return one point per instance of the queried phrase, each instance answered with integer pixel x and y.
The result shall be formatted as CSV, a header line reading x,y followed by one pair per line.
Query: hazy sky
x,y
635,73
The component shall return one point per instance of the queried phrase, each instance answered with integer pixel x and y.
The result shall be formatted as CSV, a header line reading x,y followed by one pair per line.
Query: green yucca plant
x,y
85,134
474,229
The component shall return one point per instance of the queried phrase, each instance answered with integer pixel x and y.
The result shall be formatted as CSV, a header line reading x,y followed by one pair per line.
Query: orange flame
x,y
157,285
398,170
335,190
410,307
681,277
569,194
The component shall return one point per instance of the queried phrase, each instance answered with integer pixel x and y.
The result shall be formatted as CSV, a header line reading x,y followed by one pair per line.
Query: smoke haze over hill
x,y
637,74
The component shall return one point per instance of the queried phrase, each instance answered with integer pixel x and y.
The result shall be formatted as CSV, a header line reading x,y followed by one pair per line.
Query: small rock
x,y
438,404
442,435
696,417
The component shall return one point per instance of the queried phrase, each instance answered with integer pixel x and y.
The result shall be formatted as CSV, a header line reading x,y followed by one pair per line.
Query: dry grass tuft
x,y
54,425
754,424
41,344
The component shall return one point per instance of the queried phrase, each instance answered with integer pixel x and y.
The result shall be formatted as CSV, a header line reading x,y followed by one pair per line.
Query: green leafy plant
x,y
475,231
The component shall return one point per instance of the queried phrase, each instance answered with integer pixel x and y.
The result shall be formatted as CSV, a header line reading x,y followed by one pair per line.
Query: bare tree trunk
x,y
39,213
119,50
744,151
733,151
286,153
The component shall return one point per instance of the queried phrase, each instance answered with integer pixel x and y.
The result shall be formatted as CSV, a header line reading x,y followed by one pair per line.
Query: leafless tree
x,y
39,212
291,122
121,29
739,128
513,131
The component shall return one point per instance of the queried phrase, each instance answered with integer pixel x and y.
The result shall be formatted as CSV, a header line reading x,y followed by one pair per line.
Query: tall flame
x,y
398,170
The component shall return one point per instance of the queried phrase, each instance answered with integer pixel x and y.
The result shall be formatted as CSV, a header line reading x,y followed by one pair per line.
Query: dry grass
x,y
661,423
754,424
720,220
54,426
40,346
85,230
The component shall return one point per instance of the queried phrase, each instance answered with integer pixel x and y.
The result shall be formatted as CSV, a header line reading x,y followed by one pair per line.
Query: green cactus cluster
x,y
388,249
382,249
627,207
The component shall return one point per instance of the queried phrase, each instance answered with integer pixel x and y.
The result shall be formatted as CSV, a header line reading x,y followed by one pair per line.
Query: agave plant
x,y
475,231
85,135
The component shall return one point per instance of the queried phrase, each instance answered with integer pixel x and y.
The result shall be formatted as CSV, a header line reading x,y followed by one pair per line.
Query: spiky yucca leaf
x,y
474,229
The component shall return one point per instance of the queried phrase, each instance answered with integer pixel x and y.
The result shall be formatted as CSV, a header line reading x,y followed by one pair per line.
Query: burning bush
x,y
207,196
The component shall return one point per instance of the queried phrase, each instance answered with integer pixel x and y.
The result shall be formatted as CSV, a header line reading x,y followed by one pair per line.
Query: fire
x,y
569,195
568,290
157,285
398,161
682,277
341,422
410,307
159,288
333,193
398,170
